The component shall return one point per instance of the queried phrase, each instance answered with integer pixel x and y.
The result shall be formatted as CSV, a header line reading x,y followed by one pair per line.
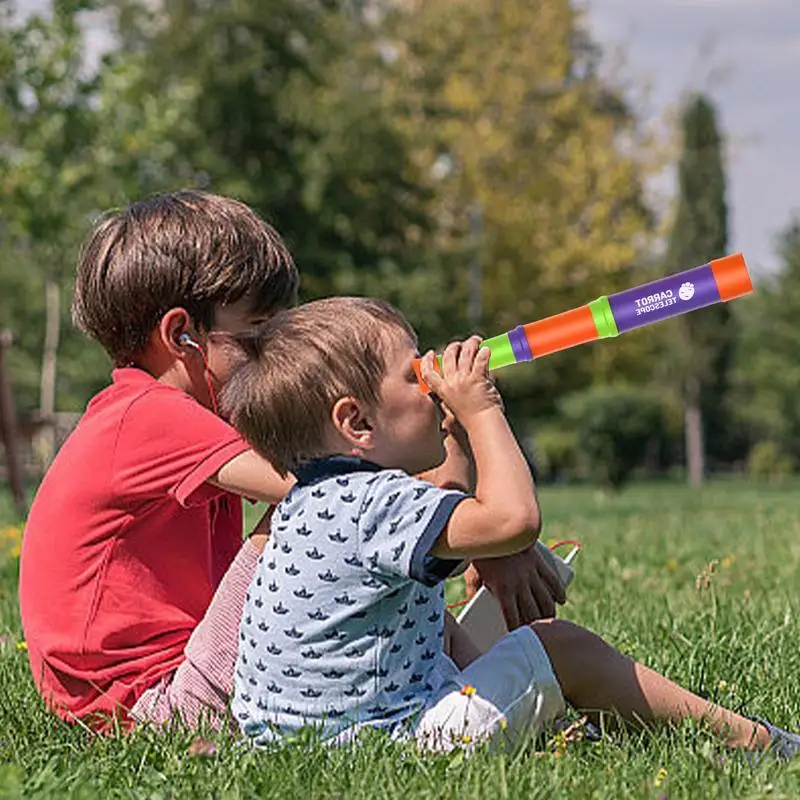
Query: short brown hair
x,y
190,249
299,364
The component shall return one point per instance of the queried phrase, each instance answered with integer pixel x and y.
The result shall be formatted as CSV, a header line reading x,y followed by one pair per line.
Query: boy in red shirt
x,y
133,571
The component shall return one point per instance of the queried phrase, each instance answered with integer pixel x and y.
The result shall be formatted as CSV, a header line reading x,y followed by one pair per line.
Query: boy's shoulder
x,y
130,385
138,420
349,481
135,397
345,491
384,520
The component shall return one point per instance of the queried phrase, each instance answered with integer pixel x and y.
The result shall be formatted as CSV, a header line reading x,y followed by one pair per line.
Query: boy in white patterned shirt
x,y
343,626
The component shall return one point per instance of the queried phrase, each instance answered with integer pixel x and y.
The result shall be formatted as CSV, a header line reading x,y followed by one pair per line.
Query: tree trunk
x,y
47,396
693,427
8,428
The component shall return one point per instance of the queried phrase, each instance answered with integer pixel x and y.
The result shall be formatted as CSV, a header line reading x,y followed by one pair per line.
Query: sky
x,y
745,54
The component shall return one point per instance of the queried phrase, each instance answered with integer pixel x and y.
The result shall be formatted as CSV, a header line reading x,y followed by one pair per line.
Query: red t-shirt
x,y
125,545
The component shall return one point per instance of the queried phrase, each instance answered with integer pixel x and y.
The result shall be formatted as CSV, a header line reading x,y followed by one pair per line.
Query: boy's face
x,y
408,430
222,355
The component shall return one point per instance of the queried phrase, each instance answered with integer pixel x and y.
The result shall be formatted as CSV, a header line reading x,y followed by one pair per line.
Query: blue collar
x,y
319,469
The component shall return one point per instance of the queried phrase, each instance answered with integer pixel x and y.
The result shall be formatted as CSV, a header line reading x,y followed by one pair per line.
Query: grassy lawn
x,y
702,586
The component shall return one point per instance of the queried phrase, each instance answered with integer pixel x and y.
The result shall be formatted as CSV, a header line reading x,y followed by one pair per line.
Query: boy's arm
x,y
252,476
503,516
524,584
457,471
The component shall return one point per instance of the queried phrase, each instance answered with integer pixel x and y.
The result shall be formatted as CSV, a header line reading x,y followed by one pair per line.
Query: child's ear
x,y
172,325
352,422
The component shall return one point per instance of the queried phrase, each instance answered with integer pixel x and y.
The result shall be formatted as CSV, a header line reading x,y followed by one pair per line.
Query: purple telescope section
x,y
664,298
519,344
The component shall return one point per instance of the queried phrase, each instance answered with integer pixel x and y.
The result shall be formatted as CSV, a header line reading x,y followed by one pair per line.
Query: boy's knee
x,y
564,641
575,654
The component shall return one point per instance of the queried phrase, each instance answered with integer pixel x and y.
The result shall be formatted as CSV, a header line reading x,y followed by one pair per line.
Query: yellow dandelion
x,y
559,743
727,562
11,537
23,646
12,533
465,739
661,776
672,564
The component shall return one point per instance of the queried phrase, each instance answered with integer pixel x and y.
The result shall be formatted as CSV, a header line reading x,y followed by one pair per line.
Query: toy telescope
x,y
718,281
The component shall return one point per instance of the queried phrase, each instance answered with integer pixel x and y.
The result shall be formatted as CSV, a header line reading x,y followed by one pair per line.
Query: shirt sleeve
x,y
169,444
399,521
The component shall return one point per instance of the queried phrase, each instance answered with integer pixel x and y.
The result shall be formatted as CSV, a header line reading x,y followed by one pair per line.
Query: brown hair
x,y
190,249
299,364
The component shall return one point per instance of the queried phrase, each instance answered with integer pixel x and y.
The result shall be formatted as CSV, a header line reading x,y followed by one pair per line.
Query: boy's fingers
x,y
427,370
481,363
450,358
468,351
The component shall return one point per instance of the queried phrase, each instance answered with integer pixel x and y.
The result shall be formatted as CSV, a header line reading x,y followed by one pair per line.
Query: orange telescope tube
x,y
718,281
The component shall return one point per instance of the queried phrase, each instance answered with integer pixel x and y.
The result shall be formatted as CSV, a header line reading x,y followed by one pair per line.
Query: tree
x,y
46,131
294,124
334,120
615,425
509,111
767,369
700,345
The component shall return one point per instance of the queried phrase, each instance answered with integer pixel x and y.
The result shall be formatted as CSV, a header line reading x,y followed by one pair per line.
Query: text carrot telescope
x,y
718,281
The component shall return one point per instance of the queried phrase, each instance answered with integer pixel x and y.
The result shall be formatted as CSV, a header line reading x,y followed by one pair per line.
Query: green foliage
x,y
614,426
768,460
555,451
767,372
507,108
700,231
294,124
280,106
369,135
47,126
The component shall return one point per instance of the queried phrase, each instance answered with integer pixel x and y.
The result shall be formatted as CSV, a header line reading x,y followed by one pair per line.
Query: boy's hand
x,y
464,387
523,583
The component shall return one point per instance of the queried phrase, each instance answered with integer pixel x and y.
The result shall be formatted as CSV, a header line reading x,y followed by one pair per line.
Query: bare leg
x,y
458,644
596,677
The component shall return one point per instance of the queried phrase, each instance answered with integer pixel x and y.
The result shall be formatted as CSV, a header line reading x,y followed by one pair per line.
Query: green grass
x,y
732,636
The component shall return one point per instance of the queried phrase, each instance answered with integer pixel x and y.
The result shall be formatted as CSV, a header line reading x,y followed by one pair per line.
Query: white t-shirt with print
x,y
344,619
